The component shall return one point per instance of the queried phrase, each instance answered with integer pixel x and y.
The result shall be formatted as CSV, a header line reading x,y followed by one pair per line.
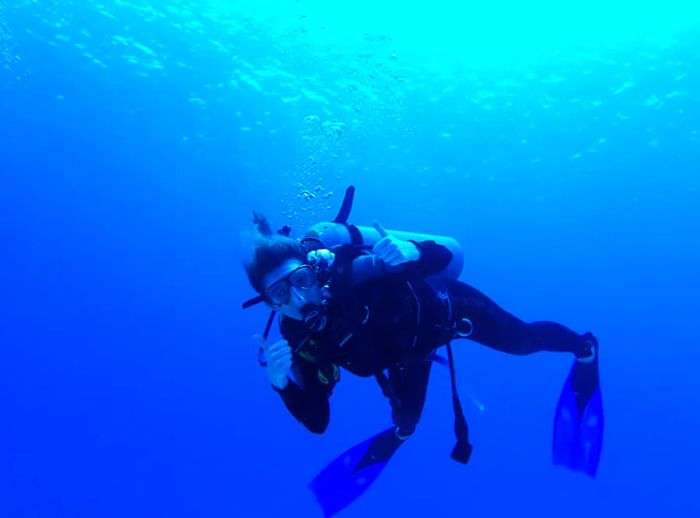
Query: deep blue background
x,y
128,380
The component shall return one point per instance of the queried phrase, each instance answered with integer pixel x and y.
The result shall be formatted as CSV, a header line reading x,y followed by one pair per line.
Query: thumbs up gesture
x,y
392,250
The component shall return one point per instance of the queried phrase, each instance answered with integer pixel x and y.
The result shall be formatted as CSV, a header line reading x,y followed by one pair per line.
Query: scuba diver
x,y
380,304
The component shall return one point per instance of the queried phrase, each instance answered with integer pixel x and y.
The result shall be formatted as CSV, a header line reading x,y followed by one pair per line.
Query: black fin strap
x,y
463,449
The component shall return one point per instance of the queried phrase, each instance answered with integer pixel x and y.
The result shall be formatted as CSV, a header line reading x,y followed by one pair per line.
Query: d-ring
x,y
464,328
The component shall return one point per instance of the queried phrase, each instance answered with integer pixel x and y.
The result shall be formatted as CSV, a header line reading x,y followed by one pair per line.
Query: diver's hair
x,y
270,250
261,224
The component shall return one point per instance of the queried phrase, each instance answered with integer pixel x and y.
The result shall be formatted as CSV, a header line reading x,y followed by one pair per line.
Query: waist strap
x,y
463,449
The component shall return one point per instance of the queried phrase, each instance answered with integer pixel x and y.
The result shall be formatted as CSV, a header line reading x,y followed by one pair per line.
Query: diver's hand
x,y
392,250
279,361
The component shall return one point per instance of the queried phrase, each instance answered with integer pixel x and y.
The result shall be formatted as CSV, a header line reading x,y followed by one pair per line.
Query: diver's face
x,y
292,288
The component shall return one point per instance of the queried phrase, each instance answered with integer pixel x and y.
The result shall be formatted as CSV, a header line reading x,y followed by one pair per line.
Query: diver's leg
x,y
410,386
490,325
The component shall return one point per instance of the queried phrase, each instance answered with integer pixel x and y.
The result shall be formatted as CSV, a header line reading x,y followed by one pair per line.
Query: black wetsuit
x,y
392,323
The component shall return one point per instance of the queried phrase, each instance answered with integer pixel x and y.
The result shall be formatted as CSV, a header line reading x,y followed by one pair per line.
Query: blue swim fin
x,y
351,474
579,421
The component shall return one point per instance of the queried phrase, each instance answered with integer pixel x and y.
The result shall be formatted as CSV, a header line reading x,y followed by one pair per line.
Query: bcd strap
x,y
355,234
463,449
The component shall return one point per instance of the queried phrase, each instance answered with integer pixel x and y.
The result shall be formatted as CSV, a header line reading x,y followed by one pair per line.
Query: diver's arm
x,y
306,395
432,259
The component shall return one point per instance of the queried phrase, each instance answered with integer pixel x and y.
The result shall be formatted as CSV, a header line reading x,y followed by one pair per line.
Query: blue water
x,y
134,142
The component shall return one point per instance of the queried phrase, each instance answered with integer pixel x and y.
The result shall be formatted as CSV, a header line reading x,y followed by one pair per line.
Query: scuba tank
x,y
329,234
